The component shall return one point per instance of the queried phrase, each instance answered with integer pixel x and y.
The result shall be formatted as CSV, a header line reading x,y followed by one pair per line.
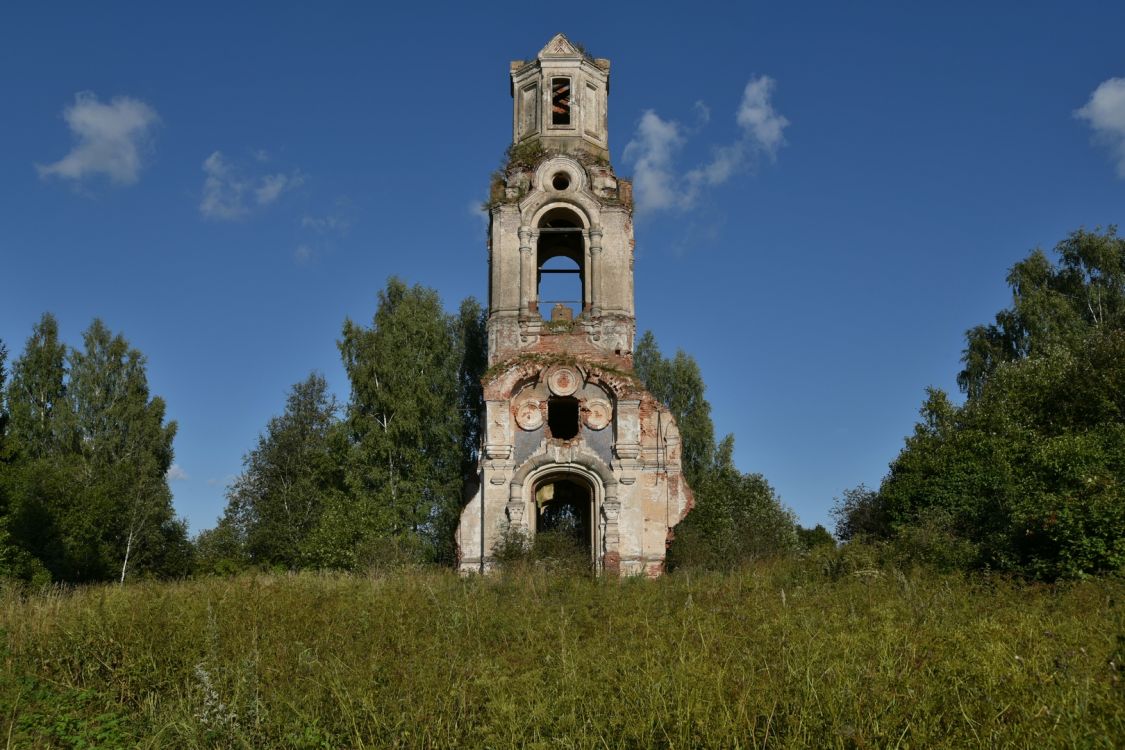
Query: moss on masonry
x,y
542,360
559,326
524,156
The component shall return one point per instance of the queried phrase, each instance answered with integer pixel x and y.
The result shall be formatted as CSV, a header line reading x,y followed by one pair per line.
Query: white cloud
x,y
110,139
176,473
222,193
229,192
303,253
651,150
1105,112
762,125
657,183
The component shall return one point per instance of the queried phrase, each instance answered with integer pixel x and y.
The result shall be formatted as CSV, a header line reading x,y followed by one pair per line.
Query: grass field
x,y
779,655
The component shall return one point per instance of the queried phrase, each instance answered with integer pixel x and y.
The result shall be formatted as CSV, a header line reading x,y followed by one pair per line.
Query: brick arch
x,y
538,204
580,462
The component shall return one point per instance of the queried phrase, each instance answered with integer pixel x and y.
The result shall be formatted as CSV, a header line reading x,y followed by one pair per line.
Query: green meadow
x,y
790,654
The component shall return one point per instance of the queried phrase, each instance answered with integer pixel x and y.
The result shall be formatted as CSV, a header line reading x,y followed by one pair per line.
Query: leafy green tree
x,y
737,517
472,342
1029,475
36,396
221,550
405,423
1052,305
384,485
286,482
860,515
126,451
817,536
678,384
87,483
3,404
38,477
15,562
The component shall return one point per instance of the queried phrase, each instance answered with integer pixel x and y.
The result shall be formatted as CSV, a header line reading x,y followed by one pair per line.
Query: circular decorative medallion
x,y
528,415
563,381
599,412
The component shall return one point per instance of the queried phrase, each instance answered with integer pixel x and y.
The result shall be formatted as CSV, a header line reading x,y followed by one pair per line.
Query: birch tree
x,y
404,418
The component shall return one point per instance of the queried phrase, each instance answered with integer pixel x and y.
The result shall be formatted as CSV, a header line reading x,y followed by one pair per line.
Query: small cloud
x,y
658,184
702,112
273,185
222,193
478,211
228,191
176,474
756,116
328,229
110,139
224,482
262,155
326,224
1105,112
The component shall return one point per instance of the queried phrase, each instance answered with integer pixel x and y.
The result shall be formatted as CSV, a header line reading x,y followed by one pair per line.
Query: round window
x,y
560,181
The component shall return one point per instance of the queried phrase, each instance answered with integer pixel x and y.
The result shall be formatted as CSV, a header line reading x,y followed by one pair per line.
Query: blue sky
x,y
225,183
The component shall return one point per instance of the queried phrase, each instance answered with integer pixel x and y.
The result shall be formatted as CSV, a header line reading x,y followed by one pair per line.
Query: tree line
x,y
1028,474
381,479
85,452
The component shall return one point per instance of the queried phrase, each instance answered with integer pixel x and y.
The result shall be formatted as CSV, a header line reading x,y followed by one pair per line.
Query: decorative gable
x,y
559,46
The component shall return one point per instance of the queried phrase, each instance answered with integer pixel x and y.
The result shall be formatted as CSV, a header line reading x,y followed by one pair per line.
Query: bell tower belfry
x,y
572,444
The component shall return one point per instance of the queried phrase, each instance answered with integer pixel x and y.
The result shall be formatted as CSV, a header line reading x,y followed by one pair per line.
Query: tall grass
x,y
777,655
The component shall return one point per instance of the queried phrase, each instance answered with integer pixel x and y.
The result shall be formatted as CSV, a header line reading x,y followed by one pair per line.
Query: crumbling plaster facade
x,y
565,417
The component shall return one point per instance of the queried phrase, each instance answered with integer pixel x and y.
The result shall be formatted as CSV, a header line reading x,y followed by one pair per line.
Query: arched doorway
x,y
564,506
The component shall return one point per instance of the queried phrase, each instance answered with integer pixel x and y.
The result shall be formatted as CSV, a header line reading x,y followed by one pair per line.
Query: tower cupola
x,y
560,99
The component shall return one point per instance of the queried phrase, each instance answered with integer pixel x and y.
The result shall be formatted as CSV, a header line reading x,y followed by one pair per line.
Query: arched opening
x,y
560,282
564,505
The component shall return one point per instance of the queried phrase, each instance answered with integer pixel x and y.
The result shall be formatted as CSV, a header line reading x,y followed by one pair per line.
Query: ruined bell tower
x,y
572,442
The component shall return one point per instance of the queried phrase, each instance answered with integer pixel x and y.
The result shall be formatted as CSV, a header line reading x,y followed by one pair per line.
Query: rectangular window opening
x,y
562,417
560,101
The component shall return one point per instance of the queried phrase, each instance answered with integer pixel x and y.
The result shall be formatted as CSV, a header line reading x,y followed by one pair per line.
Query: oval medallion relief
x,y
563,381
528,415
599,412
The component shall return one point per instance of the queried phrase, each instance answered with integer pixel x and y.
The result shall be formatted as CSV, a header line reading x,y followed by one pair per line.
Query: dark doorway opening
x,y
565,509
562,417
